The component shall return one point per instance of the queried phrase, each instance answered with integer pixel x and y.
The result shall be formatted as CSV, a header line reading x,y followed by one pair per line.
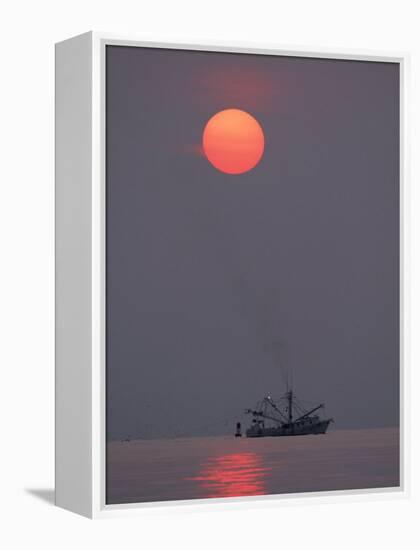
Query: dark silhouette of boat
x,y
285,417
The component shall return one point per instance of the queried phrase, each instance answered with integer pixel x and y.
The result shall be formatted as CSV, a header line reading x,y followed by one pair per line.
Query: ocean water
x,y
224,466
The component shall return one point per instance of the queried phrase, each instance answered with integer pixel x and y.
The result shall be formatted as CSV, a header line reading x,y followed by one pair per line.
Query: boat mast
x,y
290,402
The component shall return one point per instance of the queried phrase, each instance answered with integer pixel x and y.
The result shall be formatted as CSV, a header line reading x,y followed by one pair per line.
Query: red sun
x,y
233,141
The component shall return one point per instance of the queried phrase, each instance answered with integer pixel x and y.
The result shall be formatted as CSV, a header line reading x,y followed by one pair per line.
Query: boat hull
x,y
317,428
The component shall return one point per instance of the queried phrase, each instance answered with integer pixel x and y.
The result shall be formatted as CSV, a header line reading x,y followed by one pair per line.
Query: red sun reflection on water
x,y
233,475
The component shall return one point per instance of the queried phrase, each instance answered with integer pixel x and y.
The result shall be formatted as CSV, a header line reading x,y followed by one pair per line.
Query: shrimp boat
x,y
284,417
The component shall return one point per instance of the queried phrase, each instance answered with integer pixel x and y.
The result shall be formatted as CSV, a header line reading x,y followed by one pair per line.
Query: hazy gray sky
x,y
217,283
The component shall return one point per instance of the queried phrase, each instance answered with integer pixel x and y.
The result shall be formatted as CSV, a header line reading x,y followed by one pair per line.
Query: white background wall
x,y
28,32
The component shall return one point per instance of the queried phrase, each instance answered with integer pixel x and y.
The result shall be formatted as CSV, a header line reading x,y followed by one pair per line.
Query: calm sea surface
x,y
214,467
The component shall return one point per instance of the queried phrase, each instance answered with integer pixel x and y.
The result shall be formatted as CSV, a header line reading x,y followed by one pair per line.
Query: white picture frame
x,y
80,272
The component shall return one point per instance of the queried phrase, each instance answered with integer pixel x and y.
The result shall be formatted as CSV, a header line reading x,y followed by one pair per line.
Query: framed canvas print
x,y
229,259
